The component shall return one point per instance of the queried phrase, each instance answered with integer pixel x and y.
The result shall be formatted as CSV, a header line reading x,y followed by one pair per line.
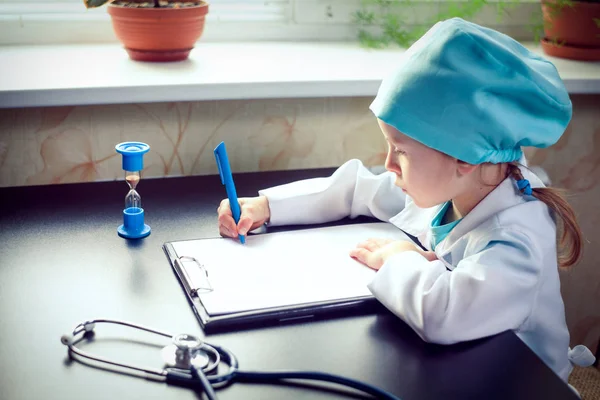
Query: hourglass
x,y
133,215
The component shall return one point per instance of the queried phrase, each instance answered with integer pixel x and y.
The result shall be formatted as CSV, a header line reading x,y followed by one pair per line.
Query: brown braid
x,y
570,246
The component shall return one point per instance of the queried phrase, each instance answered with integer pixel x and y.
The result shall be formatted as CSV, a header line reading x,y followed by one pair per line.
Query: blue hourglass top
x,y
133,155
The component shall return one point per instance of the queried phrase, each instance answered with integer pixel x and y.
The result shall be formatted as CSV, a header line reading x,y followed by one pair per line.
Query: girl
x,y
455,113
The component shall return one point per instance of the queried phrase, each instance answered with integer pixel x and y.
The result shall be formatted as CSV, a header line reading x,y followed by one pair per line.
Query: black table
x,y
61,263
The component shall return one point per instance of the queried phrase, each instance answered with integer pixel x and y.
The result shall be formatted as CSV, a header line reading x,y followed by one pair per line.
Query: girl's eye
x,y
395,150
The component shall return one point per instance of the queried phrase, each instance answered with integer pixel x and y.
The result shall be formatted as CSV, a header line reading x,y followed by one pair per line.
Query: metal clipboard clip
x,y
196,280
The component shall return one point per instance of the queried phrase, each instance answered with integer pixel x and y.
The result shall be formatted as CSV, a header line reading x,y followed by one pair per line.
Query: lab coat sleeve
x,y
352,190
489,292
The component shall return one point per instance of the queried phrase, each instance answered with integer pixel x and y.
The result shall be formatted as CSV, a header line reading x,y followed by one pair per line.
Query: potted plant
x,y
156,30
382,23
572,29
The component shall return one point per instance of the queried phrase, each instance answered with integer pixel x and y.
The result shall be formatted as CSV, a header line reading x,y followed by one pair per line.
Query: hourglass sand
x,y
133,215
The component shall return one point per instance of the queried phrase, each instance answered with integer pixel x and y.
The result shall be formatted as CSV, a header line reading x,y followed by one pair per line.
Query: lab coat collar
x,y
416,221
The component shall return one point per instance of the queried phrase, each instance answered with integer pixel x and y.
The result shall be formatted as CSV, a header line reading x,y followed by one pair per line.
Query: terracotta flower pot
x,y
571,32
158,34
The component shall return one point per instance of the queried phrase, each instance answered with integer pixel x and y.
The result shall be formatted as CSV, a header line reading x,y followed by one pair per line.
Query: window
x,y
67,21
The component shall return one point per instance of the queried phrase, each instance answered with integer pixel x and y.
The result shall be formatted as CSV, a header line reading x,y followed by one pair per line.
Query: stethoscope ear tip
x,y
67,340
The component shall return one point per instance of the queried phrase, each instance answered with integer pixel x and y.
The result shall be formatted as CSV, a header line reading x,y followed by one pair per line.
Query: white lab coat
x,y
496,270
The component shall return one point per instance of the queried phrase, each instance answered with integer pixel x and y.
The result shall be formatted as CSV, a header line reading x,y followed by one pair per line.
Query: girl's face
x,y
428,176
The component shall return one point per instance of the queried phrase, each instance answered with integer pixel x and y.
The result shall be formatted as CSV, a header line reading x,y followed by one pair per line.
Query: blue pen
x,y
227,180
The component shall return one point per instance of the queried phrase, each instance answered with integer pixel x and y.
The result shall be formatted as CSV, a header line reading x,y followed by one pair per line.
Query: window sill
x,y
34,76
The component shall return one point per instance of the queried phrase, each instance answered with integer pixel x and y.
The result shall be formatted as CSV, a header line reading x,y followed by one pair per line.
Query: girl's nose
x,y
391,165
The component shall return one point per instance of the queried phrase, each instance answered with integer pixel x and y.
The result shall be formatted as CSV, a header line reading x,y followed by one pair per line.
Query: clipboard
x,y
275,278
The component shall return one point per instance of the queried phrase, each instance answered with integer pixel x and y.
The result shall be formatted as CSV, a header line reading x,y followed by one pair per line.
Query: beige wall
x,y
73,144
76,144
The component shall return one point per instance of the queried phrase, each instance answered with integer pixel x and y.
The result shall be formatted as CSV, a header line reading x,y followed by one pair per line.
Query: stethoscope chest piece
x,y
185,351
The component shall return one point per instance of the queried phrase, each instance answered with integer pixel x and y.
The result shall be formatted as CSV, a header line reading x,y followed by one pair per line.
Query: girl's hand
x,y
374,252
255,212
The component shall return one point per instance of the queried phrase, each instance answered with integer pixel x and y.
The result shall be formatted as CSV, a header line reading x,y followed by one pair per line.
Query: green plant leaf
x,y
364,17
384,16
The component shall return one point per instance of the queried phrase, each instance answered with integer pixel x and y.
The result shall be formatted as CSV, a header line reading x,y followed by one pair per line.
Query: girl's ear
x,y
463,168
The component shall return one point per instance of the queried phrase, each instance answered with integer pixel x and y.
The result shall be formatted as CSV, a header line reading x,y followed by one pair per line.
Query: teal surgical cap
x,y
474,94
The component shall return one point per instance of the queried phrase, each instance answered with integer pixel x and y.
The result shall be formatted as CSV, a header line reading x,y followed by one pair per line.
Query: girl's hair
x,y
571,239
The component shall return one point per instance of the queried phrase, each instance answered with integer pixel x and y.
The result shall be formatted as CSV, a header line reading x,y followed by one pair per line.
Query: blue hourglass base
x,y
133,224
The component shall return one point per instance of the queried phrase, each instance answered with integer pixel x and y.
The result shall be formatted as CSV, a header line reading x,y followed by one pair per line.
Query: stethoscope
x,y
191,362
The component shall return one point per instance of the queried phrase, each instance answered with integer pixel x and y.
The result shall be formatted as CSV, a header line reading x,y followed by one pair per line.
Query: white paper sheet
x,y
283,268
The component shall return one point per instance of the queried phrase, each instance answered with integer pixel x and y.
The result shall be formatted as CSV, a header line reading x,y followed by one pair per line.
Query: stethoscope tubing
x,y
171,375
198,376
88,326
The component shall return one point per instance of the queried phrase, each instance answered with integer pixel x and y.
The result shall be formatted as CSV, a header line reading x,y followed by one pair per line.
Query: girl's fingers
x,y
365,257
370,245
225,218
226,222
384,242
359,254
368,258
244,225
226,232
224,208
251,216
